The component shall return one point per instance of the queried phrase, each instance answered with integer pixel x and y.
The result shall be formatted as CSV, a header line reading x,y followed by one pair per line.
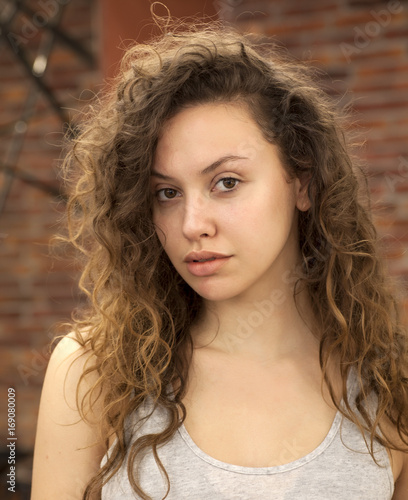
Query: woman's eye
x,y
227,183
166,194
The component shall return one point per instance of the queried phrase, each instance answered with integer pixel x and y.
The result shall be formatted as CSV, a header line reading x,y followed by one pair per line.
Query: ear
x,y
302,199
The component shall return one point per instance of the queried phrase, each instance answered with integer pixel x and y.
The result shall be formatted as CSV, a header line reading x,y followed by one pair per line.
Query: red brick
x,y
384,69
314,8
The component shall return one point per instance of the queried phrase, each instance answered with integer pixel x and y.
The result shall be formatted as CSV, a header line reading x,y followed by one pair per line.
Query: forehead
x,y
198,133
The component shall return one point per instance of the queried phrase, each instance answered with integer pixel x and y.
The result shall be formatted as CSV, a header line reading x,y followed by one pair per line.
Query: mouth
x,y
208,266
205,265
204,256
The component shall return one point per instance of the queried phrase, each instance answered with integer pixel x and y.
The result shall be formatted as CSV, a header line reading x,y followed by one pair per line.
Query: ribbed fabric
x,y
340,468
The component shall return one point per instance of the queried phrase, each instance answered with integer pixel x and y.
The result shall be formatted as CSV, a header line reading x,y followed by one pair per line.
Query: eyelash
x,y
237,181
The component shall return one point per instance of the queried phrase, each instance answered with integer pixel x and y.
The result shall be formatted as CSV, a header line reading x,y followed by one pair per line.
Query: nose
x,y
198,220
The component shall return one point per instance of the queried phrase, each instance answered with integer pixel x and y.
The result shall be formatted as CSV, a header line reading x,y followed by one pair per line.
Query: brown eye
x,y
166,194
170,193
227,184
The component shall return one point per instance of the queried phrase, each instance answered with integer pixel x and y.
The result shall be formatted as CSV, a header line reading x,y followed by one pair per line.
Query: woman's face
x,y
223,209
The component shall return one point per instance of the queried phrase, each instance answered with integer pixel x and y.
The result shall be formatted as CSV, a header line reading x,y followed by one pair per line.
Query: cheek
x,y
264,217
162,237
241,225
161,229
168,223
167,235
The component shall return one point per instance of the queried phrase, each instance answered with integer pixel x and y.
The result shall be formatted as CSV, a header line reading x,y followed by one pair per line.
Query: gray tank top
x,y
340,468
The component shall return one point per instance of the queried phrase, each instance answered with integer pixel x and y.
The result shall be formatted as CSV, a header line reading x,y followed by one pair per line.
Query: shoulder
x,y
68,447
69,351
66,369
70,358
400,460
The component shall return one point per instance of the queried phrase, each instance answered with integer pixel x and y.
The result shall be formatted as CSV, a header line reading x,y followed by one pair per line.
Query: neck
x,y
265,326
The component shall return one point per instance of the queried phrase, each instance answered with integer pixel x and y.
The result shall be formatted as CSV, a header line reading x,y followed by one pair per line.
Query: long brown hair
x,y
140,310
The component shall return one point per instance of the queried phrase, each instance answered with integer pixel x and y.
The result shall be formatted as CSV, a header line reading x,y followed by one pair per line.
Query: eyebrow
x,y
208,169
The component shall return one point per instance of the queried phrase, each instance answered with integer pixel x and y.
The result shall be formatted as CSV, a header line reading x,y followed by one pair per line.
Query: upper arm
x,y
67,453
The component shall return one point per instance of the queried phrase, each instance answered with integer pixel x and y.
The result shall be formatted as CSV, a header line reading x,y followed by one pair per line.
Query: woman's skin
x,y
219,187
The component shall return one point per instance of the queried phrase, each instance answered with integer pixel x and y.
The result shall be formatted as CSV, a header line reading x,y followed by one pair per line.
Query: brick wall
x,y
36,290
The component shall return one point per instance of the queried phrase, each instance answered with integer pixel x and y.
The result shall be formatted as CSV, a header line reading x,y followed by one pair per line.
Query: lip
x,y
205,268
192,256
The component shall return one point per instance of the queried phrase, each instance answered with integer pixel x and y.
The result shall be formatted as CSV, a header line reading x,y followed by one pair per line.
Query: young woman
x,y
242,339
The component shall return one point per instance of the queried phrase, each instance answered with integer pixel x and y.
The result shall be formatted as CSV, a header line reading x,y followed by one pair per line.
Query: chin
x,y
214,292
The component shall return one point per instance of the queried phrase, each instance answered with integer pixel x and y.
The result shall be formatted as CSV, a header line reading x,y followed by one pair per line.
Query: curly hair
x,y
140,310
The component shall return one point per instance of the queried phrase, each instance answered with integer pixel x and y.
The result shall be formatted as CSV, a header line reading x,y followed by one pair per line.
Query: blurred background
x,y
56,54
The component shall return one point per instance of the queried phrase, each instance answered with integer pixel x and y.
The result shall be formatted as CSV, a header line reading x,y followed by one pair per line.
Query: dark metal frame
x,y
50,33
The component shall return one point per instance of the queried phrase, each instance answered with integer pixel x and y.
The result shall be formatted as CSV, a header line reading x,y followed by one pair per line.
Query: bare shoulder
x,y
67,364
68,450
398,461
401,484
